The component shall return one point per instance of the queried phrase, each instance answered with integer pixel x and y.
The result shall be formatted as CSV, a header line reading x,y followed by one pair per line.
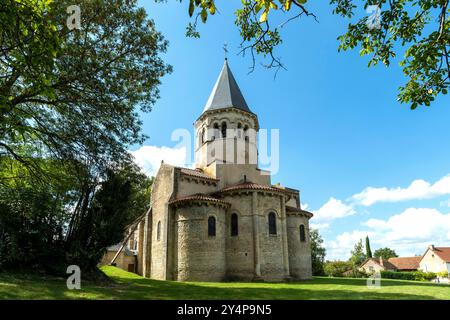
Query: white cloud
x,y
375,224
319,226
333,209
413,225
418,189
408,233
339,249
149,157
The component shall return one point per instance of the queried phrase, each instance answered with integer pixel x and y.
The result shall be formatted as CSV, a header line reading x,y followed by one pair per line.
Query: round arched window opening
x,y
158,231
224,129
215,131
211,226
272,223
234,225
302,233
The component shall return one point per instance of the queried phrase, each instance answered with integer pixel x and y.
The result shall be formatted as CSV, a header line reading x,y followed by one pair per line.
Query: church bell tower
x,y
226,130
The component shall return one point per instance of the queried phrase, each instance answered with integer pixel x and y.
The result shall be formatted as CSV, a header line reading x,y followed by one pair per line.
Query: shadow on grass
x,y
143,288
130,286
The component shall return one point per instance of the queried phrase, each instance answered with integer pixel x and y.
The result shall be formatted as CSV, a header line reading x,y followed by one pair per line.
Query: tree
x,y
420,29
76,98
48,227
336,268
69,102
357,255
102,214
317,253
385,253
368,250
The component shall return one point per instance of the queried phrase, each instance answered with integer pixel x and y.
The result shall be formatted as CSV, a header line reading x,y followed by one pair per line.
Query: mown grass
x,y
127,285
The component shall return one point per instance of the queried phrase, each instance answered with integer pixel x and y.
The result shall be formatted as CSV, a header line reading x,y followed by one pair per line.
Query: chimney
x,y
431,247
381,261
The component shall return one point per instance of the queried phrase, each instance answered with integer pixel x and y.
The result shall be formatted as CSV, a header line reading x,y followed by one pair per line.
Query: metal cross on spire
x,y
225,49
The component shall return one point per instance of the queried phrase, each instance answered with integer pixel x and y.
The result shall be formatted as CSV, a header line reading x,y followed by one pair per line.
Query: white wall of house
x,y
432,263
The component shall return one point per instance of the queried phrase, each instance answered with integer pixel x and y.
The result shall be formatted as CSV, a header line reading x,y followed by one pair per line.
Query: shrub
x,y
409,275
443,274
336,268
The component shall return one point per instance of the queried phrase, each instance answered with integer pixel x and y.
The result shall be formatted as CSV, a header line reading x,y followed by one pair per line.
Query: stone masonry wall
x,y
239,249
163,187
299,252
199,257
272,267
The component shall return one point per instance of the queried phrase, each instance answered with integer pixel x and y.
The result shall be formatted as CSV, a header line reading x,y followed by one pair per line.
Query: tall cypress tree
x,y
368,250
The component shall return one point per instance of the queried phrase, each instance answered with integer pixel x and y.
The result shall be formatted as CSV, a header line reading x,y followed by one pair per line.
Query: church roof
x,y
251,186
298,210
226,92
199,197
198,173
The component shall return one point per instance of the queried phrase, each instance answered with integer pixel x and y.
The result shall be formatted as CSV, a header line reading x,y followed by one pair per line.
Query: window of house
x,y
158,231
212,226
234,225
272,223
302,233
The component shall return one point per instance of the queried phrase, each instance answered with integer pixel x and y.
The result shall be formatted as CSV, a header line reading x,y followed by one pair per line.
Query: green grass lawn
x,y
131,286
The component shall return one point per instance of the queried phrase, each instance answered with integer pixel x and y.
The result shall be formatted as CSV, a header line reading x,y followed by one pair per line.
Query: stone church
x,y
223,220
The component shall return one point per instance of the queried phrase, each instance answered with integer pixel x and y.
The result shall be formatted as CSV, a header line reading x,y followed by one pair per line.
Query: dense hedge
x,y
409,275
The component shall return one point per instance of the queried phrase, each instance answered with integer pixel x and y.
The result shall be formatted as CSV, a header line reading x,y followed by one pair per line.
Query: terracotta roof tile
x,y
294,209
196,173
405,263
443,253
198,197
290,190
386,264
251,186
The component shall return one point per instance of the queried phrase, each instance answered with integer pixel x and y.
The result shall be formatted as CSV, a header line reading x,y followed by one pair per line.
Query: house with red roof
x,y
435,259
373,265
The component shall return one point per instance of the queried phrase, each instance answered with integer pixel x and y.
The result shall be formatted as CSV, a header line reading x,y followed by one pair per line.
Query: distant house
x,y
405,263
436,259
373,265
126,259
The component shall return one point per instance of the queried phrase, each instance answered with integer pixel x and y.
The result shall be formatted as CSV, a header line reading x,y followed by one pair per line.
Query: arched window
x,y
215,130
302,233
239,130
158,231
211,226
203,136
234,225
224,129
272,223
246,132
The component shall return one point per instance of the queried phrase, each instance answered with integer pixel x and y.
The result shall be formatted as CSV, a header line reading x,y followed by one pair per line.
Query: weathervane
x,y
225,49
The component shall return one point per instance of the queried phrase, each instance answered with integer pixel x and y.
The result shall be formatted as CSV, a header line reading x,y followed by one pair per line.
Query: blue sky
x,y
341,128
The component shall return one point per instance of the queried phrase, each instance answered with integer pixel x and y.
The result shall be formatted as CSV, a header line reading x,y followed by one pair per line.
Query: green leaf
x,y
203,15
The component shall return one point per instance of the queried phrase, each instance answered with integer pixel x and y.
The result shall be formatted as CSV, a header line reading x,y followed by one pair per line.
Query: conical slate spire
x,y
226,92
